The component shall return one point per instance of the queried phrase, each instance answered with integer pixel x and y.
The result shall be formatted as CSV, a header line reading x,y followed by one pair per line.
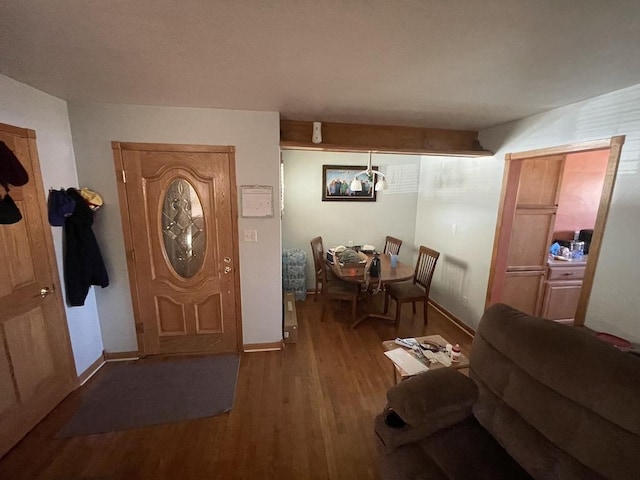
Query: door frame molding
x,y
117,148
507,204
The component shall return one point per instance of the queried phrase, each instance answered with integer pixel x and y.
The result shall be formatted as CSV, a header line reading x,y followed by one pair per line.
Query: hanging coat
x,y
83,265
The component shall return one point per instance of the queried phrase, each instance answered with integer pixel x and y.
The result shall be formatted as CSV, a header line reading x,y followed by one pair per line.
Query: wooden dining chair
x,y
320,266
416,290
328,286
392,246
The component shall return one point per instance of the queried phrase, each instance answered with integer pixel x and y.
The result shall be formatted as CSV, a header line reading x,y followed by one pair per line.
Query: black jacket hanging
x,y
11,170
83,265
9,212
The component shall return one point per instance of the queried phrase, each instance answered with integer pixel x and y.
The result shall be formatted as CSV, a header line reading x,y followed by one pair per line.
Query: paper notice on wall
x,y
256,200
406,361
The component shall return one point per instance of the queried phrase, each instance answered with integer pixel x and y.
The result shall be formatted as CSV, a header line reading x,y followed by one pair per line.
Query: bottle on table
x,y
455,353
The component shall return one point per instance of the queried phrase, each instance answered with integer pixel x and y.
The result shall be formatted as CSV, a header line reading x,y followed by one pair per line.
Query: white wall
x,y
307,216
459,191
470,190
26,107
255,136
456,216
614,303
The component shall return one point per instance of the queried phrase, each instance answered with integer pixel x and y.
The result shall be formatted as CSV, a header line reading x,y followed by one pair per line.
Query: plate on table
x,y
368,249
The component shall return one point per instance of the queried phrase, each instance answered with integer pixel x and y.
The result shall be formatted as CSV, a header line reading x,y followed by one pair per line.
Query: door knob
x,y
227,269
46,291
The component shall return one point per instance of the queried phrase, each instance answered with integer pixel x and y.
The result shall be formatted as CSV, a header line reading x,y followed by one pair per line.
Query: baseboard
x,y
452,318
262,347
121,356
91,370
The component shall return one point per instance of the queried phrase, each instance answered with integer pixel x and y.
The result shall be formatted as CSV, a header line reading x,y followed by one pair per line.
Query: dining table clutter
x,y
351,262
371,271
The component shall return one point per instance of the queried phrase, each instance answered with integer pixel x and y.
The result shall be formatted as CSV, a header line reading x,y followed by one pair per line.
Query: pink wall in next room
x,y
580,193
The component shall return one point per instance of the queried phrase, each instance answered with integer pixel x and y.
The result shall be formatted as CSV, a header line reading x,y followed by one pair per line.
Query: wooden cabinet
x,y
526,232
562,291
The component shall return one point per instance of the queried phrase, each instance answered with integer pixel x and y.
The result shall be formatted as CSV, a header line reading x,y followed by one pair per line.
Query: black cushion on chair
x,y
405,291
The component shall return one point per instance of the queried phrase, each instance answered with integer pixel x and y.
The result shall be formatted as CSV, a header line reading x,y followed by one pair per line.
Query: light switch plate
x,y
250,235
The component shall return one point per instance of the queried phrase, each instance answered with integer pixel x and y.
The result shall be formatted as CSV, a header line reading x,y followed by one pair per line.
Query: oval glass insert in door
x,y
183,229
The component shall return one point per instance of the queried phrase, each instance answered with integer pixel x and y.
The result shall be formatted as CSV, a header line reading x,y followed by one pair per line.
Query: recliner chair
x,y
543,400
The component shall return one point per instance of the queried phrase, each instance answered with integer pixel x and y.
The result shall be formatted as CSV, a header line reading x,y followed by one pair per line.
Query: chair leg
x,y
414,307
425,312
398,307
386,302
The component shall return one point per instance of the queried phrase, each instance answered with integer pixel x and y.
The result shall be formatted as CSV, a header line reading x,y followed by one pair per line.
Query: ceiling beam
x,y
350,137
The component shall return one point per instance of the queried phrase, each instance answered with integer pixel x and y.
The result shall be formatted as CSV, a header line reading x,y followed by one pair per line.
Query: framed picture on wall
x,y
336,184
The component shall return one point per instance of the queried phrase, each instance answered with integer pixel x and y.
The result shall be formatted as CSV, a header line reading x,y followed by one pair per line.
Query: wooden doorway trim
x,y
507,206
118,148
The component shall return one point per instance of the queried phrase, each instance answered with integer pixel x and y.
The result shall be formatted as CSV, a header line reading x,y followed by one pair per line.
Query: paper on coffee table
x,y
406,361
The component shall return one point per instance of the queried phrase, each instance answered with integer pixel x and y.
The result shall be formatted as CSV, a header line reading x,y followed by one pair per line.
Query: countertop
x,y
565,263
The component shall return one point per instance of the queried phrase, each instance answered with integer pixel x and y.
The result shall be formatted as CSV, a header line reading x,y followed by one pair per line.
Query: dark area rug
x,y
152,392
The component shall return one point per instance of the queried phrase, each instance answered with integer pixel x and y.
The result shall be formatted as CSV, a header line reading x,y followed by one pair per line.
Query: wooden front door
x,y
36,363
178,205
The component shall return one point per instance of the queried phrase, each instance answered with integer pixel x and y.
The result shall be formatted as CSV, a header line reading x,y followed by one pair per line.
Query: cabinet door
x,y
561,300
522,290
528,223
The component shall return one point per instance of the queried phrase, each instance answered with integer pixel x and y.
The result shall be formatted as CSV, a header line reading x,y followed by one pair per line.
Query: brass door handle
x,y
227,269
46,291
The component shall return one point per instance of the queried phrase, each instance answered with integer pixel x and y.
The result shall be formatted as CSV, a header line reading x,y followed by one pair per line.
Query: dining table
x,y
373,285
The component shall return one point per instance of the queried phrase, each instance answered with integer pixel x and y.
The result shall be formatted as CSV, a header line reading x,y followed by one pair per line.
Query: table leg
x,y
368,313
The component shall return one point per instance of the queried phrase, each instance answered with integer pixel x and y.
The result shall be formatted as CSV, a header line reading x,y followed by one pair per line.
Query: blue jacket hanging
x,y
83,265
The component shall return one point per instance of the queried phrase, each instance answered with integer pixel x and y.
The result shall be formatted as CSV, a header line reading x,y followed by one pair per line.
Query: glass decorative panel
x,y
183,228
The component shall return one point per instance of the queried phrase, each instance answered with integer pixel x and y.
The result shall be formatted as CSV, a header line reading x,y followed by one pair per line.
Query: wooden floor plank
x,y
303,413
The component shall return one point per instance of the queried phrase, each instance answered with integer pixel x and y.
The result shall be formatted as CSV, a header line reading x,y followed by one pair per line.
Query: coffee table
x,y
398,371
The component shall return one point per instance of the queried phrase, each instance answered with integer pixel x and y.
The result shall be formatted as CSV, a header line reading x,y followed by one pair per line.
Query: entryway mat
x,y
155,391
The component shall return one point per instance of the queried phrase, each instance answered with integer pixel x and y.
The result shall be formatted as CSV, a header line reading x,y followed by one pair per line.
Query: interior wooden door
x,y
528,227
180,220
36,363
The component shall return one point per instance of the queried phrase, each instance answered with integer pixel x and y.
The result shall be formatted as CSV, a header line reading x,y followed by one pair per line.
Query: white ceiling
x,y
465,64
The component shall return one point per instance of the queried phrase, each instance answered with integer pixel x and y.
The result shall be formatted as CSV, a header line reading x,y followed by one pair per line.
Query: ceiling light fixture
x,y
381,183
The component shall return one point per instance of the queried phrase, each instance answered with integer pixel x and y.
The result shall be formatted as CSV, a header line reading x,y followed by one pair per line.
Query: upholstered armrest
x,y
427,403
427,397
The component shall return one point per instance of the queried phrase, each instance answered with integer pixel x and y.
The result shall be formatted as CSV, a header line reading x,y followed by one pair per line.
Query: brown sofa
x,y
542,400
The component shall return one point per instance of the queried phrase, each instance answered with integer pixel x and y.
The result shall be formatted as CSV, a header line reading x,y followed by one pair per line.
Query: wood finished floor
x,y
302,413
